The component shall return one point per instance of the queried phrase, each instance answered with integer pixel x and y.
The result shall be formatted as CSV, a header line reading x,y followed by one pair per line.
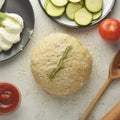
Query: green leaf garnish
x,y
2,17
60,64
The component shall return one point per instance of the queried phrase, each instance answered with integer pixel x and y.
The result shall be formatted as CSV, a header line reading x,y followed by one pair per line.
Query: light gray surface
x,y
37,104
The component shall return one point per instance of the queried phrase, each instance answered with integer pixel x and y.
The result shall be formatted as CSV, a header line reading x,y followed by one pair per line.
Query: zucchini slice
x,y
82,3
71,9
94,5
46,2
59,3
83,17
53,10
97,15
74,1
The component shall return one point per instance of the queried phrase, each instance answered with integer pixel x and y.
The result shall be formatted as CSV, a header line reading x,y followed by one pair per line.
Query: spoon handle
x,y
97,97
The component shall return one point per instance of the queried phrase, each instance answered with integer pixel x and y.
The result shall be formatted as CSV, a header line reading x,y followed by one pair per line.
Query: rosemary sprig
x,y
60,64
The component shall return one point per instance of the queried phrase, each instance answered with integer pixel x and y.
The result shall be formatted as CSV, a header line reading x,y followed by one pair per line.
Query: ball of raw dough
x,y
60,64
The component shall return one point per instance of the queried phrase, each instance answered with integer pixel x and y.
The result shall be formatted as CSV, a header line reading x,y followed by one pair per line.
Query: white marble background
x,y
37,104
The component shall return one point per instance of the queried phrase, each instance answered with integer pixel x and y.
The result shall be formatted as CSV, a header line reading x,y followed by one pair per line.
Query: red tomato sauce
x,y
9,98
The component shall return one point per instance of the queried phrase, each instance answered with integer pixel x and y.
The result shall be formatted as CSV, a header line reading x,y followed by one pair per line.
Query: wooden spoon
x,y
114,73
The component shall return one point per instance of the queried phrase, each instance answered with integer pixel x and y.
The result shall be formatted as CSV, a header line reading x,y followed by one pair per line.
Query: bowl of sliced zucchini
x,y
77,13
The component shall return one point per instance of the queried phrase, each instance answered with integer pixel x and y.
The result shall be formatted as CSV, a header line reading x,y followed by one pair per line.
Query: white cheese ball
x,y
76,66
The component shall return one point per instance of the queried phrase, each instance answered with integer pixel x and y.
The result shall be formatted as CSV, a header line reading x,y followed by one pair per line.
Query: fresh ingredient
x,y
1,3
91,8
113,114
53,10
83,17
97,15
109,29
61,62
59,3
71,9
46,2
9,98
74,1
11,25
82,3
94,5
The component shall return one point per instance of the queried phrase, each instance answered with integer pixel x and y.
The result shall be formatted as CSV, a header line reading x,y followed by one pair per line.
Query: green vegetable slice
x,y
60,64
3,16
53,10
71,9
74,1
59,3
92,10
83,17
82,3
46,2
94,5
97,15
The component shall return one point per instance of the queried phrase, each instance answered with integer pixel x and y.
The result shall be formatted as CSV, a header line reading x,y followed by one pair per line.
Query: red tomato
x,y
9,98
109,29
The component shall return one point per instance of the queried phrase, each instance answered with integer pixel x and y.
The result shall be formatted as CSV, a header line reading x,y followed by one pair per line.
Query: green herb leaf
x,y
2,17
60,64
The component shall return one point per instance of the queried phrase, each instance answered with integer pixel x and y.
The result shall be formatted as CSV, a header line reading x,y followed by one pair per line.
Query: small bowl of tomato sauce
x,y
10,98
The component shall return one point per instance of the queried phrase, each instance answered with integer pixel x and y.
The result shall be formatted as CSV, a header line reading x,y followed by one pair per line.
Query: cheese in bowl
x,y
11,25
60,64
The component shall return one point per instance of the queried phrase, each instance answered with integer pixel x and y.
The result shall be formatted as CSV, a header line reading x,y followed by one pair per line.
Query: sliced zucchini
x,y
71,9
46,2
97,15
94,5
53,10
59,3
83,17
82,3
74,1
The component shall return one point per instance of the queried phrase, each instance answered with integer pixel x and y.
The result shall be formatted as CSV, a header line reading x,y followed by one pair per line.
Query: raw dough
x,y
77,65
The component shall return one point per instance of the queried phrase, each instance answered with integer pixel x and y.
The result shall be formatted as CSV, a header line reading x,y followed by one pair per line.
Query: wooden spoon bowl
x,y
114,73
115,67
